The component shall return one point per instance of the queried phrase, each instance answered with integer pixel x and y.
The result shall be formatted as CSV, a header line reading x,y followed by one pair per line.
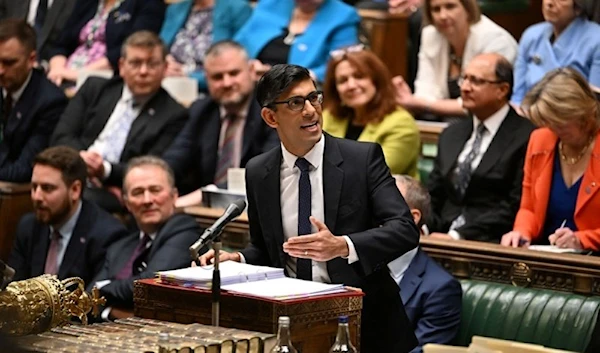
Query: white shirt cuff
x,y
107,169
455,235
242,258
106,313
352,255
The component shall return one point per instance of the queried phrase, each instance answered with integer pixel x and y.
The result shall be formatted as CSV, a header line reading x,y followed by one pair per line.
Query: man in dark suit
x,y
65,235
30,105
47,18
112,121
432,298
161,243
339,196
225,129
475,184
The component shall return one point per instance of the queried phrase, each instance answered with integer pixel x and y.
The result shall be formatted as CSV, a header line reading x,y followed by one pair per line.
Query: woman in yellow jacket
x,y
359,105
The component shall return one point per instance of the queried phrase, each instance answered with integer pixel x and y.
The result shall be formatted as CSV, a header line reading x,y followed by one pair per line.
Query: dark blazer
x,y
56,17
169,251
362,201
29,127
87,113
94,231
131,16
194,153
432,299
492,199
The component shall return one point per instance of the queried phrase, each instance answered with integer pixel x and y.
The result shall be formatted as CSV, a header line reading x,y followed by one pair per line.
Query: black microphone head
x,y
241,204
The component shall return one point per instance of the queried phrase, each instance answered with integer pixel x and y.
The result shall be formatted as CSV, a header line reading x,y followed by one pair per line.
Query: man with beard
x,y
225,129
112,121
65,235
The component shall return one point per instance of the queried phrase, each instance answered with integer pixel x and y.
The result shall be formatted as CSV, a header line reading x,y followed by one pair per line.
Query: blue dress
x,y
578,47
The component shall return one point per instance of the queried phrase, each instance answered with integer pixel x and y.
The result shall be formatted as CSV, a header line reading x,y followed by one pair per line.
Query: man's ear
x,y
268,116
76,189
416,215
121,64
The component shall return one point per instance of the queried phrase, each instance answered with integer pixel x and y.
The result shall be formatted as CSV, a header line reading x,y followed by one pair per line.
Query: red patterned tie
x,y
227,148
52,257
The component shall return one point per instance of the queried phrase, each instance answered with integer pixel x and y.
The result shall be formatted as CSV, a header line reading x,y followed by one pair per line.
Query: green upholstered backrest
x,y
550,318
502,6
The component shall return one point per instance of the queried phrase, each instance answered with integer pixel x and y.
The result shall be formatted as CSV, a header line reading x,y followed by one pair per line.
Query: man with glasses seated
x,y
224,130
475,185
112,121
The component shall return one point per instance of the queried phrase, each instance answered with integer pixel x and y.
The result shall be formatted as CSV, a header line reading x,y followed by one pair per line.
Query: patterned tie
x,y
463,175
127,270
304,266
227,148
52,257
118,135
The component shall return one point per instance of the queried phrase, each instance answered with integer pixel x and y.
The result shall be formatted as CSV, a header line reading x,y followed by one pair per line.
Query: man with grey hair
x,y
161,243
225,129
112,121
431,296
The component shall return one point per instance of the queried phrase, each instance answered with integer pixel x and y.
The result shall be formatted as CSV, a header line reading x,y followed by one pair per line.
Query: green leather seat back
x,y
550,318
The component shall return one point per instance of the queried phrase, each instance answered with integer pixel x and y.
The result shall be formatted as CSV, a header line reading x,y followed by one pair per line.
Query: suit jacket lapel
x,y
591,179
271,185
124,255
52,15
147,119
40,250
503,138
412,277
77,243
333,180
250,129
110,98
450,153
26,99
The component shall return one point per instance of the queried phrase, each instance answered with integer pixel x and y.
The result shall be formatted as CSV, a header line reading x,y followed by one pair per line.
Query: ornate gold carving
x,y
41,303
520,274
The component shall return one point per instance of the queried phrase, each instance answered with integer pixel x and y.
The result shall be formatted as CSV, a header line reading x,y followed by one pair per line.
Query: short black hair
x,y
67,160
504,73
278,80
20,30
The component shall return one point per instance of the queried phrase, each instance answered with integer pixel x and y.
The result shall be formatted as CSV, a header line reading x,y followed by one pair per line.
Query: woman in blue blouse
x,y
192,26
300,32
566,39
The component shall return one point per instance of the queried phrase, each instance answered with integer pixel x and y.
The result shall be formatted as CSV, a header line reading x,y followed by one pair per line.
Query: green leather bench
x,y
550,318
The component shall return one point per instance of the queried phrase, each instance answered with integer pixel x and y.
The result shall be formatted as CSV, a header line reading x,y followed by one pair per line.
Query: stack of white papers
x,y
231,272
552,248
284,288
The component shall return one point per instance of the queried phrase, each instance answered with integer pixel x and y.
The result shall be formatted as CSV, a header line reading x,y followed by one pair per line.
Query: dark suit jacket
x,y
492,199
131,16
87,113
194,153
361,201
432,299
94,231
56,17
168,251
29,127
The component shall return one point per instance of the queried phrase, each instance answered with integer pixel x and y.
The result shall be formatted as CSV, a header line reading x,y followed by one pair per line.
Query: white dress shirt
x,y
289,178
399,266
492,124
33,7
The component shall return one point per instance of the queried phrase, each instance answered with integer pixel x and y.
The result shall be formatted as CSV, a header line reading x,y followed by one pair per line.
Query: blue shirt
x,y
578,47
561,203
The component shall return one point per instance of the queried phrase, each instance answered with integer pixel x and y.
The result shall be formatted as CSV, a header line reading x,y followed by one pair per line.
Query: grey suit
x,y
56,17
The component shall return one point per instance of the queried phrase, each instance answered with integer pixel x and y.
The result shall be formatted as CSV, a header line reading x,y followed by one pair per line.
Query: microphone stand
x,y
216,282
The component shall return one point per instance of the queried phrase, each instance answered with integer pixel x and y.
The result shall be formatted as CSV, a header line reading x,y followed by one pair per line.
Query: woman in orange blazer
x,y
560,203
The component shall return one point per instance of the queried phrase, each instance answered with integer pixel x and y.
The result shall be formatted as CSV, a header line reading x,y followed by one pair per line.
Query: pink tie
x,y
52,257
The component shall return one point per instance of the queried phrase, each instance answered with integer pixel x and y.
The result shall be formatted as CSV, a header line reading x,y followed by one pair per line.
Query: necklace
x,y
572,160
455,60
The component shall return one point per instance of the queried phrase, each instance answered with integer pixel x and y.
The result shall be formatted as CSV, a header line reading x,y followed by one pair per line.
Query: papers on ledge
x,y
284,288
552,248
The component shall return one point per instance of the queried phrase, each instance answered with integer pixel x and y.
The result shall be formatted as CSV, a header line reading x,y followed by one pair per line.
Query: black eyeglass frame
x,y
318,102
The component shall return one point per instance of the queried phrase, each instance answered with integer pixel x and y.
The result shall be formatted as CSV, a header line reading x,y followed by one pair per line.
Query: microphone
x,y
232,212
7,274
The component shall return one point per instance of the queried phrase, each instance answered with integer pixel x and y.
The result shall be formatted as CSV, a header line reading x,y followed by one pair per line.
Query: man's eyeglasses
x,y
338,53
150,65
476,81
296,103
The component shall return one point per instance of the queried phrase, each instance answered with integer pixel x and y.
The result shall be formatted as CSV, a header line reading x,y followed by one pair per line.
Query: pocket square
x,y
122,17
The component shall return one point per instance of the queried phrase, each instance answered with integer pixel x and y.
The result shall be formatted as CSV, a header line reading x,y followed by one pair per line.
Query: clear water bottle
x,y
342,340
284,338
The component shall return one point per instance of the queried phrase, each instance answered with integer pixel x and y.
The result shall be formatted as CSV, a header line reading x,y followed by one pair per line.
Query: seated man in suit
x,y
225,129
112,121
65,235
327,209
432,298
47,18
30,105
161,243
475,184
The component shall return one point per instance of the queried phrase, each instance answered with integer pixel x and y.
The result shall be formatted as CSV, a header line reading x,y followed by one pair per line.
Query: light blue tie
x,y
116,139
